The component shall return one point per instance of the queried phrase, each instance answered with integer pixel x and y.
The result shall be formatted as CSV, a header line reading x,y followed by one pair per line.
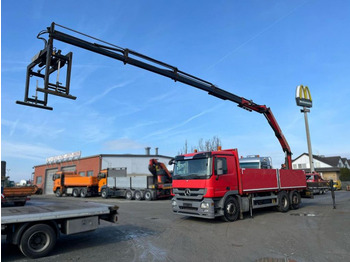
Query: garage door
x,y
48,181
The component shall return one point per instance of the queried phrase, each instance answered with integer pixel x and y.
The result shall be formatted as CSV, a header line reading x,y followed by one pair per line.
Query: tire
x,y
104,193
138,195
75,192
37,241
128,194
58,193
83,192
148,195
295,200
283,201
231,209
20,203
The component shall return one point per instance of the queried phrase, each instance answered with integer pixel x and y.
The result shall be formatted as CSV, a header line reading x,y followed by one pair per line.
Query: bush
x,y
344,174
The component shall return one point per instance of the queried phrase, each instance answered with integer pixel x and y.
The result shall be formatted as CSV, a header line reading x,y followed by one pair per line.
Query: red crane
x,y
50,60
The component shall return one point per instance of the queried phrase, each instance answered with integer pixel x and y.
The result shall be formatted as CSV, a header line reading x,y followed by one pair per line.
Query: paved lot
x,y
149,231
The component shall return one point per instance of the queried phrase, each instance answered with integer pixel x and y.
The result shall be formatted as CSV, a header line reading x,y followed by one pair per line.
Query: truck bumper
x,y
203,209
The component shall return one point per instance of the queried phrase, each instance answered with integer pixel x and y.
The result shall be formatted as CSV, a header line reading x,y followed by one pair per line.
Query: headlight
x,y
173,203
205,205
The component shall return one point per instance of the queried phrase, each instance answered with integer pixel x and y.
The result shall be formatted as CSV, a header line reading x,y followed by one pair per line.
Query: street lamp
x,y
303,99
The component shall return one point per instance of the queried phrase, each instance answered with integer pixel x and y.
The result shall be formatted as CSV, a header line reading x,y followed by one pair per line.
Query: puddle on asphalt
x,y
303,214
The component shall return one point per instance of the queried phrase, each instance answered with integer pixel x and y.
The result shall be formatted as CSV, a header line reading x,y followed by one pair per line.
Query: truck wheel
x,y
138,195
75,192
37,241
58,193
83,192
295,200
148,195
128,194
231,209
104,193
283,201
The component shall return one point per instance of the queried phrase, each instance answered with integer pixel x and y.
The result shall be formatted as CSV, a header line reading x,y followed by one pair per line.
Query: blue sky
x,y
260,50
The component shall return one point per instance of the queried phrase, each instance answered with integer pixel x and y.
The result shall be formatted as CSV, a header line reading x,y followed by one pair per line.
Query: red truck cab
x,y
211,184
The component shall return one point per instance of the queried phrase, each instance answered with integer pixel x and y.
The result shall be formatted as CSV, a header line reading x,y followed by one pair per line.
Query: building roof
x,y
331,160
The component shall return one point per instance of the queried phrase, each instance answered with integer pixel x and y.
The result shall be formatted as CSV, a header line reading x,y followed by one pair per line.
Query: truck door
x,y
225,175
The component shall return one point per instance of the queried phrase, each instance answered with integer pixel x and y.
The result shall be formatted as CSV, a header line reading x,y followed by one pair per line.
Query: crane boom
x,y
52,61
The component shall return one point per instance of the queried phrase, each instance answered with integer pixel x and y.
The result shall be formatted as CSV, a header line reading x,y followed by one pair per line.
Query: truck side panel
x,y
80,181
258,180
292,179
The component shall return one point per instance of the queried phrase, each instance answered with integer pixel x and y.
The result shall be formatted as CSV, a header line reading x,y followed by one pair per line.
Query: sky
x,y
260,50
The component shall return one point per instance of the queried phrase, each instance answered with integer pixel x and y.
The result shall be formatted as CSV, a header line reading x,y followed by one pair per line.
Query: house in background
x,y
327,167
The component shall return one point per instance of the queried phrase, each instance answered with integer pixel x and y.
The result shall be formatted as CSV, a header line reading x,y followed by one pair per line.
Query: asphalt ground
x,y
149,231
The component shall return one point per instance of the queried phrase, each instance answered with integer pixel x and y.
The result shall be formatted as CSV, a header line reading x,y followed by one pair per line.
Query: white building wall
x,y
303,162
136,165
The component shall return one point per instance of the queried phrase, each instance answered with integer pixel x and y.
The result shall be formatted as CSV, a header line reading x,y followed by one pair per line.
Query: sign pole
x,y
303,98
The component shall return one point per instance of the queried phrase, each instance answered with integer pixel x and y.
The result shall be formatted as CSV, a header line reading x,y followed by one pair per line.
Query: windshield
x,y
192,169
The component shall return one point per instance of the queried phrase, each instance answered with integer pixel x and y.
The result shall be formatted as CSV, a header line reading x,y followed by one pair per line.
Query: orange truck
x,y
71,183
17,195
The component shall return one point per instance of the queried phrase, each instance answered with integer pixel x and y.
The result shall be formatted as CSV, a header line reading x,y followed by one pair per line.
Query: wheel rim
x,y
148,195
230,209
284,202
38,241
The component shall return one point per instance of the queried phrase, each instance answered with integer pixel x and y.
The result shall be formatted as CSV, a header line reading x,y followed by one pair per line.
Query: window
x,y
82,173
220,166
38,180
90,173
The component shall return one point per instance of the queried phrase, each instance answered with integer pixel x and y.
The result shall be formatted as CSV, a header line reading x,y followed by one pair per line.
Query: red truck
x,y
212,184
316,184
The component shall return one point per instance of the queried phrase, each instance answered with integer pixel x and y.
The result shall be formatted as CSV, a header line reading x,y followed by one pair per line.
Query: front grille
x,y
194,194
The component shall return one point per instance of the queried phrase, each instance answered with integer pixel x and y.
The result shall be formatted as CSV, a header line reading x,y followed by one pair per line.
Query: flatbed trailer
x,y
36,226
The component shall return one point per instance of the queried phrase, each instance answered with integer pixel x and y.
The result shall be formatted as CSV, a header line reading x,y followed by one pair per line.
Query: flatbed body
x,y
47,209
36,226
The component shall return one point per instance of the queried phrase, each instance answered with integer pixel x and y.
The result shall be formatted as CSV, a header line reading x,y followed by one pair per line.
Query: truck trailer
x,y
212,184
152,187
36,226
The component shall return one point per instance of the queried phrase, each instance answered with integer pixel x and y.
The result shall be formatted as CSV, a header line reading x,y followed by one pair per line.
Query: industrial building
x,y
92,165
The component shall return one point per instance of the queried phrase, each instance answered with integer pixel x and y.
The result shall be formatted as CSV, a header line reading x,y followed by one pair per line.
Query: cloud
x,y
183,123
106,92
123,144
27,151
32,129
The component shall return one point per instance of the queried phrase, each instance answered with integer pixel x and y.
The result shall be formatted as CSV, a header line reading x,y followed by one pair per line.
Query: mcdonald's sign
x,y
303,96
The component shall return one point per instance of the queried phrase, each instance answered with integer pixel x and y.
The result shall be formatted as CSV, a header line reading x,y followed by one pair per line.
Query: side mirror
x,y
172,161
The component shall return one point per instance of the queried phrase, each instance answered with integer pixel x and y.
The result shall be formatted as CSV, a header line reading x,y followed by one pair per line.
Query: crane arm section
x,y
49,60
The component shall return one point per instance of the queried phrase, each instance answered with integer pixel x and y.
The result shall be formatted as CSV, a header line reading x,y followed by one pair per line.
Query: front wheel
x,y
148,195
37,241
231,209
104,193
58,193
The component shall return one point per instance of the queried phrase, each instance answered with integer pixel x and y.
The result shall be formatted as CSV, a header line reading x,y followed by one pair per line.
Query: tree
x,y
203,145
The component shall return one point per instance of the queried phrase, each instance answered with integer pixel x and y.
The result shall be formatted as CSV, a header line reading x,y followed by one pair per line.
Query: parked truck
x,y
316,184
71,183
119,184
212,184
36,226
17,195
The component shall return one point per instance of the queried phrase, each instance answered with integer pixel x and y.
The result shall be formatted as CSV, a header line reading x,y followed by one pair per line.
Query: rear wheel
x,y
295,200
283,201
128,194
83,192
37,241
75,192
138,195
231,209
